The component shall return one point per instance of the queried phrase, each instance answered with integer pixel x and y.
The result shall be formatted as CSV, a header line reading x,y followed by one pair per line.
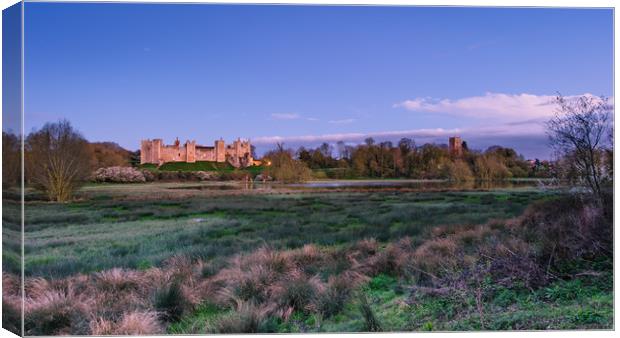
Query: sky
x,y
11,66
303,75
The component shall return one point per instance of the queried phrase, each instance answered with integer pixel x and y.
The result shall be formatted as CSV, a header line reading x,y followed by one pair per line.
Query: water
x,y
355,185
419,184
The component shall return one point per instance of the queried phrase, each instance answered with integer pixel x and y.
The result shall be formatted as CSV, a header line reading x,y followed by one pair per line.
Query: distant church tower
x,y
456,146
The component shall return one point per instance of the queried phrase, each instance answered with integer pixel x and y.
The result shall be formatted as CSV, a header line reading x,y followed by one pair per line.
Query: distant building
x,y
238,154
455,145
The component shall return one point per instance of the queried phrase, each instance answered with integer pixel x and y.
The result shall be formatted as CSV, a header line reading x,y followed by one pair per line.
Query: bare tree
x,y
578,132
58,160
11,159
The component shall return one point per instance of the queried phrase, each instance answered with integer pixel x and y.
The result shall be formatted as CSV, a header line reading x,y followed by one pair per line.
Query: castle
x,y
238,154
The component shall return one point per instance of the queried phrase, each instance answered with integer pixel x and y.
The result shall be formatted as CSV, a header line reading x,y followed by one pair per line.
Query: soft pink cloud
x,y
498,106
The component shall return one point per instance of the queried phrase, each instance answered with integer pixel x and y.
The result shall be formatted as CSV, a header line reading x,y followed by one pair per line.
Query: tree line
x,y
58,159
407,160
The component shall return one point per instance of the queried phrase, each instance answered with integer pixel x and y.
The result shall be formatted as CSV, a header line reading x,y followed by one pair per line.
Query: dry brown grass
x,y
131,323
269,282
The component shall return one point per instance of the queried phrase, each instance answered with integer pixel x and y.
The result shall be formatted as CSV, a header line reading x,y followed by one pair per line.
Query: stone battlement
x,y
238,154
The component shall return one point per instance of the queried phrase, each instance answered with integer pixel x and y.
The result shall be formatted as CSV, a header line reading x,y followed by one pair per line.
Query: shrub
x,y
566,229
119,175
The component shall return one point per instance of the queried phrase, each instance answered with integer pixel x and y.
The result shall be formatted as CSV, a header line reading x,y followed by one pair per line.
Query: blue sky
x,y
11,68
307,74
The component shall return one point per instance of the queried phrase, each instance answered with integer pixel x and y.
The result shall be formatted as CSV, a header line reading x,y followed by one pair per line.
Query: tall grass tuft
x,y
247,318
371,323
56,313
171,302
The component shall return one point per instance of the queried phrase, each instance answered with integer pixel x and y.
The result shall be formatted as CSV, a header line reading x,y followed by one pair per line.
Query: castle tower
x,y
220,151
190,151
156,151
145,151
455,145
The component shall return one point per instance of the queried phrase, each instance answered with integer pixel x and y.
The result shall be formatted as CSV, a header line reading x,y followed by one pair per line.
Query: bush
x,y
566,229
119,175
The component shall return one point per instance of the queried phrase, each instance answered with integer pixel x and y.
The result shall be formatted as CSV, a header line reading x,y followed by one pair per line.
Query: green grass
x,y
221,167
96,234
197,166
109,229
587,304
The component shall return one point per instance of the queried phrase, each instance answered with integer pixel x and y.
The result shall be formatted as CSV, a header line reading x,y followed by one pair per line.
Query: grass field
x,y
221,167
350,247
105,232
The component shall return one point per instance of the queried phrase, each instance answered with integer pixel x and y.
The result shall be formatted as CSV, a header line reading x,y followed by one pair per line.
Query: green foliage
x,y
428,326
197,166
284,168
202,320
406,160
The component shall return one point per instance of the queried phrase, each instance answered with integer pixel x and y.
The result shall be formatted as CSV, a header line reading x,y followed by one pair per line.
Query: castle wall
x,y
205,154
154,151
173,154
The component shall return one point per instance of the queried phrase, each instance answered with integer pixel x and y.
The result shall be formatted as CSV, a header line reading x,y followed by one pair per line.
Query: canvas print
x,y
221,168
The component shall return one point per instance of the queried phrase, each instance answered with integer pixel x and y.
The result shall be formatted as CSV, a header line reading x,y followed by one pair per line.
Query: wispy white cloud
x,y
343,121
498,106
516,128
285,116
352,137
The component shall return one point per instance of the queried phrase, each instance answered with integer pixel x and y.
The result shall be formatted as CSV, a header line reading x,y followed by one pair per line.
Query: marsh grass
x,y
315,262
96,234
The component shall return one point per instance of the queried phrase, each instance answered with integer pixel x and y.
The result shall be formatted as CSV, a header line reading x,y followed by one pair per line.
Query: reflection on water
x,y
352,185
420,184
